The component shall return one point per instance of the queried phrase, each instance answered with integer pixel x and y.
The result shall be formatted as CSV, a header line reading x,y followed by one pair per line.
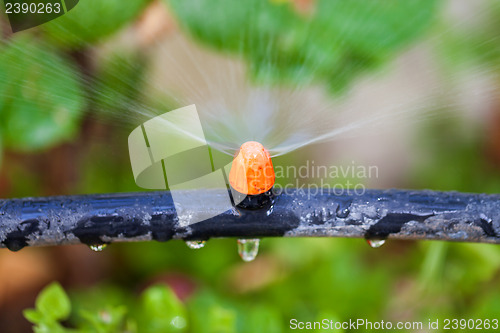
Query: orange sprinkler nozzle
x,y
252,170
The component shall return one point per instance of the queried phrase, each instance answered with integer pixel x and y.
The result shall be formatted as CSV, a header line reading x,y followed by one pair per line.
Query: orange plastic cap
x,y
252,170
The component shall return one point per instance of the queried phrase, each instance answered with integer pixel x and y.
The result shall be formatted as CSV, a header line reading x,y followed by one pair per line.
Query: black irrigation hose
x,y
375,214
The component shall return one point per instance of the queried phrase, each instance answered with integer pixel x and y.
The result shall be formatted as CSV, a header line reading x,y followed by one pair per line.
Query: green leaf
x,y
53,302
91,20
40,96
33,316
162,311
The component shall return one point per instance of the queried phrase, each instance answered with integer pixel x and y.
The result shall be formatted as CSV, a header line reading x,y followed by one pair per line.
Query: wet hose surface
x,y
375,214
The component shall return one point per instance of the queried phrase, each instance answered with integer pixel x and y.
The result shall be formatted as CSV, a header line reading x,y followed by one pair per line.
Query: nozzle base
x,y
253,202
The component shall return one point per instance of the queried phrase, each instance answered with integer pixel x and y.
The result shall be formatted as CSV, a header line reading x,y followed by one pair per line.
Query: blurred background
x,y
411,87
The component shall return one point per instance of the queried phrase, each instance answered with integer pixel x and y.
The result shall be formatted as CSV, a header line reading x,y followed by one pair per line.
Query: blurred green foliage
x,y
333,44
92,20
44,93
455,144
158,310
476,43
41,100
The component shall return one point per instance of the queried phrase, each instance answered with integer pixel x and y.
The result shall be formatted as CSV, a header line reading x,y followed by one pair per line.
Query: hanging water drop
x,y
375,243
342,212
248,248
195,244
98,247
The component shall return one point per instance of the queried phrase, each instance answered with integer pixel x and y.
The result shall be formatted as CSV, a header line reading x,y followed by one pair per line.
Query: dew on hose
x,y
375,243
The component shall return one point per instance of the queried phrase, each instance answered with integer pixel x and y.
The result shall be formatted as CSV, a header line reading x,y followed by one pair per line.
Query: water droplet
x,y
343,213
248,248
98,247
343,208
195,244
374,243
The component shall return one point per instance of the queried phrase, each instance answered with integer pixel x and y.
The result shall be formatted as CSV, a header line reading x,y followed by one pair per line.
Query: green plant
x,y
52,306
158,310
